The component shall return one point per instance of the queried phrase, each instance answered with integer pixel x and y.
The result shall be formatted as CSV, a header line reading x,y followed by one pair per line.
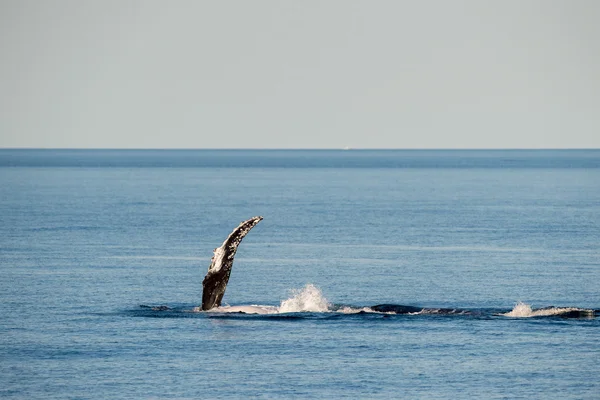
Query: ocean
x,y
92,240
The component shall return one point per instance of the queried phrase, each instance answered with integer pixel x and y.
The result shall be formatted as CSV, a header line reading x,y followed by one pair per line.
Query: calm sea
x,y
87,236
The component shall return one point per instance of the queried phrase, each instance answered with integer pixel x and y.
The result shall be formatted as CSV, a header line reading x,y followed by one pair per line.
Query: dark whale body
x,y
396,309
400,309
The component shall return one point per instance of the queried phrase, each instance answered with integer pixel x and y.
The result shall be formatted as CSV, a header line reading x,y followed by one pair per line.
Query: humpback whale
x,y
215,281
217,277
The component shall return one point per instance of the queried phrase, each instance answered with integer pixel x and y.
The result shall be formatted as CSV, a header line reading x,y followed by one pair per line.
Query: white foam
x,y
522,310
307,299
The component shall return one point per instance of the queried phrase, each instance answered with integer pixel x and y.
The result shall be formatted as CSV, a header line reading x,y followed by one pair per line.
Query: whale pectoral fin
x,y
215,281
213,289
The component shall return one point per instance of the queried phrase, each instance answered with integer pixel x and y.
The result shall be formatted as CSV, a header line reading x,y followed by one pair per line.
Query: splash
x,y
307,299
520,310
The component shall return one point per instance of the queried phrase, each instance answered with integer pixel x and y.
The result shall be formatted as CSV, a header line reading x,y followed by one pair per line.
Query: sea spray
x,y
520,310
307,299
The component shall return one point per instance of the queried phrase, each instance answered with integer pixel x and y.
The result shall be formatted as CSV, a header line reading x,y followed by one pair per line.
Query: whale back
x,y
215,281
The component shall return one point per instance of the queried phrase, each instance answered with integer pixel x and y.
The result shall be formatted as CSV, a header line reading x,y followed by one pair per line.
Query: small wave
x,y
155,258
66,228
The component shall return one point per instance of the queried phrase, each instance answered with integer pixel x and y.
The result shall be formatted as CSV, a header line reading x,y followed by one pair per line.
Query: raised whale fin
x,y
215,281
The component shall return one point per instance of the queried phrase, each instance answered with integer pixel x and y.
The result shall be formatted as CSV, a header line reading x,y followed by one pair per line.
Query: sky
x,y
300,74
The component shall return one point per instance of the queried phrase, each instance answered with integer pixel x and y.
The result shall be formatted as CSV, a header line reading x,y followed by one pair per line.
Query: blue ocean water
x,y
87,236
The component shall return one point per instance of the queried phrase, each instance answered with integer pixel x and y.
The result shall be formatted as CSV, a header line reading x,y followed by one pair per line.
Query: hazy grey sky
x,y
300,74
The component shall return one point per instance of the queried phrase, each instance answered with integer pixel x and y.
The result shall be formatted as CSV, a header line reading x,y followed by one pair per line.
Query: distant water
x,y
302,158
87,236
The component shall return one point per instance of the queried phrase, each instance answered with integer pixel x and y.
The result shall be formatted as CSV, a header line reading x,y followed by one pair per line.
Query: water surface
x,y
87,236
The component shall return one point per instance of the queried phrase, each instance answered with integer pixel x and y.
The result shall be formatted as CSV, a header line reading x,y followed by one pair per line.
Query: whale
x,y
217,277
219,271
